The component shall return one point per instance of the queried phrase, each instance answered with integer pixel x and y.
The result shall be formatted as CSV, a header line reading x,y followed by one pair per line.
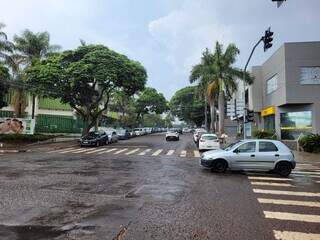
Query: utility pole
x,y
267,39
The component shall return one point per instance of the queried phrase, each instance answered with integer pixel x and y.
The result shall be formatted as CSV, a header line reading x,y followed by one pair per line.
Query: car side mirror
x,y
236,151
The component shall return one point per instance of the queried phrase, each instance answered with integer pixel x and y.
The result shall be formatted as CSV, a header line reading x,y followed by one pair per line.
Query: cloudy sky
x,y
166,36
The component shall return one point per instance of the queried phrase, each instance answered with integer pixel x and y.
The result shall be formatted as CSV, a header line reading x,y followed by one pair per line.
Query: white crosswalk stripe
x,y
289,202
308,172
183,153
81,150
272,184
95,151
144,152
292,216
196,154
269,178
156,153
120,151
170,152
288,235
133,151
59,150
107,151
305,175
290,193
68,151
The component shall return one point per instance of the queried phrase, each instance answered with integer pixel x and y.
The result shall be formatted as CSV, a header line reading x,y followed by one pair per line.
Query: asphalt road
x,y
147,188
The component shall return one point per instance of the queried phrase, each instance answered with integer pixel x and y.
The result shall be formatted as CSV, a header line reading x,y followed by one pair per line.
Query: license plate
x,y
85,142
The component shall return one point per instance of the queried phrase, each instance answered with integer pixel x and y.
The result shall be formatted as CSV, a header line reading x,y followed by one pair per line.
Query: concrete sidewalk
x,y
307,157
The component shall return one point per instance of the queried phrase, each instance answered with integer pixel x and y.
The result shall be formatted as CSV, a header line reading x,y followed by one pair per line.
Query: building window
x,y
269,123
272,84
295,123
309,75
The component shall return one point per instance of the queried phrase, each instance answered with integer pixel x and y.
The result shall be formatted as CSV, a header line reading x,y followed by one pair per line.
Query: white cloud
x,y
186,32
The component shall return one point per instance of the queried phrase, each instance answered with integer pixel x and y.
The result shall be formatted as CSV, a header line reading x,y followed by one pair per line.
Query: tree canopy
x,y
4,76
187,106
85,78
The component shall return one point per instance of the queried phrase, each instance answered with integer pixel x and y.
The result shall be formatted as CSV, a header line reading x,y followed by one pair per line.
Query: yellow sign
x,y
268,111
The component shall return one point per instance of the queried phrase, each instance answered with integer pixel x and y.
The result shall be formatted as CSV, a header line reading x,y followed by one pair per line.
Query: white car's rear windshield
x,y
209,138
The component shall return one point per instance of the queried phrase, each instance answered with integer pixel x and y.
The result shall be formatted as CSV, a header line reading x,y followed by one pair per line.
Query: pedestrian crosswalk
x,y
285,202
127,151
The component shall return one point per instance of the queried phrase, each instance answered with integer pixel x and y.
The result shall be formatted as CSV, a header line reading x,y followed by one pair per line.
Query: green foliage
x,y
85,78
21,138
187,107
264,134
150,101
4,77
310,143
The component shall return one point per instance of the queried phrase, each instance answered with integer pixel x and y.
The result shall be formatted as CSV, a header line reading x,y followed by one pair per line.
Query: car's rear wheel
x,y
220,166
283,169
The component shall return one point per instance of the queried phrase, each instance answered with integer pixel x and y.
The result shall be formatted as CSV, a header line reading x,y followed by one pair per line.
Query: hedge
x,y
310,143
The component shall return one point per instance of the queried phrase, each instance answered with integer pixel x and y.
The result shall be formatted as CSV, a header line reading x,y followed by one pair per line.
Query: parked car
x,y
197,134
123,134
253,154
172,135
94,139
209,141
112,136
139,131
132,133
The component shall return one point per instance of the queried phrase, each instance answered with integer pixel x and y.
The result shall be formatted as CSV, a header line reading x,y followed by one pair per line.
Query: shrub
x,y
264,134
18,138
310,143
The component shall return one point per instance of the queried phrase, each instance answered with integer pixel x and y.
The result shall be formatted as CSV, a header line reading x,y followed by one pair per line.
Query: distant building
x,y
285,95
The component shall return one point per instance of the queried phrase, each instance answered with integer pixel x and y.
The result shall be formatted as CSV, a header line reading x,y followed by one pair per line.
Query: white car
x,y
172,135
209,141
197,134
253,154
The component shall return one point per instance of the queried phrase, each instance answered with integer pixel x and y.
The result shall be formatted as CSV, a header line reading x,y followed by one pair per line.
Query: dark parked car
x,y
123,134
94,139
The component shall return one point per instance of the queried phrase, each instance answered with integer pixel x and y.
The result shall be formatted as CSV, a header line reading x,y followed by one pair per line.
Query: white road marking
x,y
95,151
156,153
196,154
170,152
317,181
287,235
272,184
144,152
269,178
68,151
307,172
292,216
183,153
289,202
107,151
290,193
59,150
133,151
305,175
120,151
81,151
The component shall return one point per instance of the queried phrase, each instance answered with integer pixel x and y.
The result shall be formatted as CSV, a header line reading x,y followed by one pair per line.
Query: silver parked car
x,y
253,154
112,136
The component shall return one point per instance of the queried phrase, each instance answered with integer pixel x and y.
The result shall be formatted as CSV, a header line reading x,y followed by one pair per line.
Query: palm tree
x,y
218,72
34,47
6,47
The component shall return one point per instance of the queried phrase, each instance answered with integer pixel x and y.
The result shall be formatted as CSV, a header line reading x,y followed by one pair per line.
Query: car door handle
x,y
252,155
277,155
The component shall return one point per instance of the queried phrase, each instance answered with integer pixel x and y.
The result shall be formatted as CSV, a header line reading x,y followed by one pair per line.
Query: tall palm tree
x,y
6,47
220,75
34,47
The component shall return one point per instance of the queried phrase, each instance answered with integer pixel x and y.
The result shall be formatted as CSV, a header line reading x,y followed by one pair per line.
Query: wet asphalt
x,y
82,196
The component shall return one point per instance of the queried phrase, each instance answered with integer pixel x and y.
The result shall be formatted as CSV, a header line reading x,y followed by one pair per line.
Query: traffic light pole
x,y
244,85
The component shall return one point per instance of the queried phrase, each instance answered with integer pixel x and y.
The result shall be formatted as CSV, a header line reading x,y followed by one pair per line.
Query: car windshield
x,y
122,131
209,137
230,146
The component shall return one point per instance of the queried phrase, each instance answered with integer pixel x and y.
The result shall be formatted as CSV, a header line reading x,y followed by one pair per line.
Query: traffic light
x,y
267,39
249,115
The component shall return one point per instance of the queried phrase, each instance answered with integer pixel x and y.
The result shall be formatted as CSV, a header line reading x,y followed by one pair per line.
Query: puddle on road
x,y
29,232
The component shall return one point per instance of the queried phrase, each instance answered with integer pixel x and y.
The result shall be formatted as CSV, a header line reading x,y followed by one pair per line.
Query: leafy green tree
x,y
33,47
4,76
150,101
86,78
217,70
186,105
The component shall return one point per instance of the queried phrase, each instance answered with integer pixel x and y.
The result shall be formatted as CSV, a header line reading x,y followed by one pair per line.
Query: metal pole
x,y
244,86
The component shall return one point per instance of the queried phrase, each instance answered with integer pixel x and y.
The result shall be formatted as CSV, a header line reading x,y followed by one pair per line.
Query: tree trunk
x,y
221,105
33,105
212,115
205,113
